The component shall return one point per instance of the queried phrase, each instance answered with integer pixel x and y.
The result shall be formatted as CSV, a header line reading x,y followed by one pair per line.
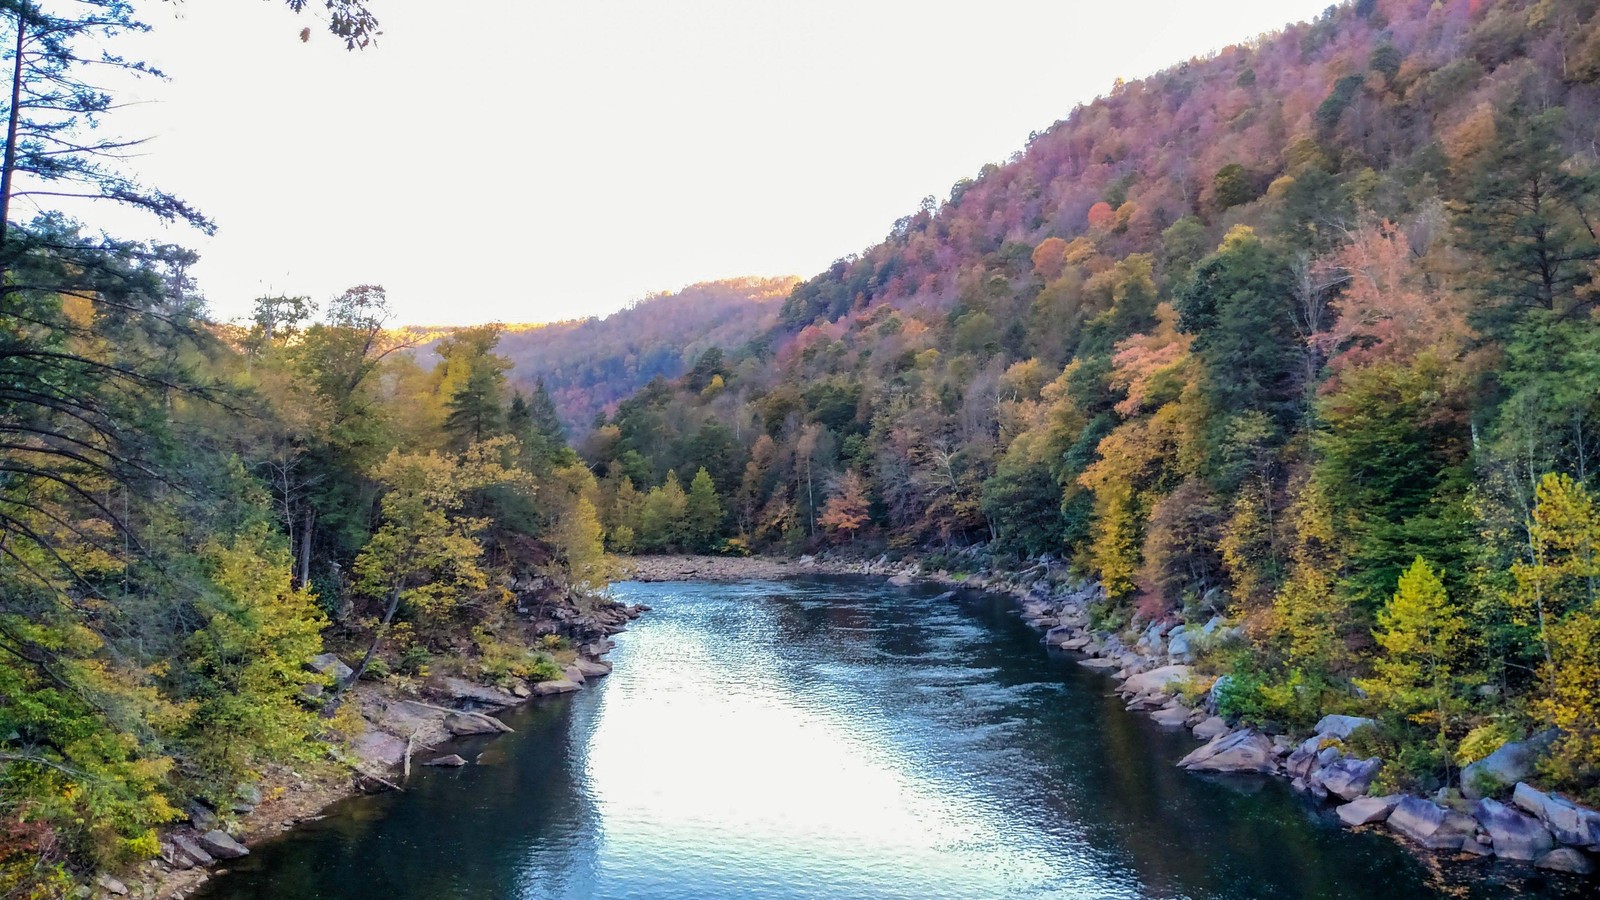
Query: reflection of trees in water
x,y
462,833
1037,749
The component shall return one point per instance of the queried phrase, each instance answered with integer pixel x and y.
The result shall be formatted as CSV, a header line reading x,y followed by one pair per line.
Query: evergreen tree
x,y
474,410
1237,304
703,512
1422,674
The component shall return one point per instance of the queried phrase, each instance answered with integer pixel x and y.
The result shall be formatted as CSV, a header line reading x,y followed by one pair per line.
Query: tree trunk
x,y
306,531
372,650
9,165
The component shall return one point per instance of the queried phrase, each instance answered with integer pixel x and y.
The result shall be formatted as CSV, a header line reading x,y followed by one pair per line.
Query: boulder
x,y
574,675
1342,726
1348,779
1178,644
1171,716
221,845
200,815
1211,728
592,668
1152,636
111,885
1431,825
1300,764
189,849
465,723
1157,680
1100,663
379,748
1506,766
557,686
1214,695
1212,625
450,762
331,665
1514,835
1570,823
901,580
1059,635
464,691
1317,743
1241,751
1366,810
1565,859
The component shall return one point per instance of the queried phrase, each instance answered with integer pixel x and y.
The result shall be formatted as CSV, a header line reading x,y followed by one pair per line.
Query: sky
x,y
535,160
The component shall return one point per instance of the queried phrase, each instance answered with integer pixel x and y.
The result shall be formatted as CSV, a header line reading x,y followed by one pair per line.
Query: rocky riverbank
x,y
399,725
1524,825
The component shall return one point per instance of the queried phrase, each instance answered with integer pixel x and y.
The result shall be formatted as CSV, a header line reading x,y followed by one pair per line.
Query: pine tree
x,y
703,512
1421,673
474,410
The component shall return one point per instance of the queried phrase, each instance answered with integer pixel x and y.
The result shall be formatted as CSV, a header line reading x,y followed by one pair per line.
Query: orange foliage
x,y
1387,311
1144,359
1101,216
1049,258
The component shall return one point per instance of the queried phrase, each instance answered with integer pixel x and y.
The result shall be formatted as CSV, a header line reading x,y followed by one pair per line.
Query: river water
x,y
839,738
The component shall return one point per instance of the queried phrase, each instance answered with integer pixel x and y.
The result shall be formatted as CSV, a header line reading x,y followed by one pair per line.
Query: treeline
x,y
1254,337
189,512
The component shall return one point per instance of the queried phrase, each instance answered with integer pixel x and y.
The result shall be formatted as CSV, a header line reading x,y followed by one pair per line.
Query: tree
x,y
1529,218
246,664
703,512
348,20
1421,674
426,553
475,410
847,510
1561,570
663,517
52,147
1237,305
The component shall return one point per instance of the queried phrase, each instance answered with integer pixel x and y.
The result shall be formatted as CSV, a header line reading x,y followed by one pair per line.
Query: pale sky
x,y
535,160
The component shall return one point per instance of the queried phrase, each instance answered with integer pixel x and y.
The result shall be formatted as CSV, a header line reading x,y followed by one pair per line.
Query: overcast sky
x,y
534,160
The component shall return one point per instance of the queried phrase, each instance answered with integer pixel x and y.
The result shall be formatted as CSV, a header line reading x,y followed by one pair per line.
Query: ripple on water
x,y
828,738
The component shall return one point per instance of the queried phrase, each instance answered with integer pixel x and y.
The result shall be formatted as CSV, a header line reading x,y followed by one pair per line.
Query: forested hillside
x,y
190,512
588,365
1250,337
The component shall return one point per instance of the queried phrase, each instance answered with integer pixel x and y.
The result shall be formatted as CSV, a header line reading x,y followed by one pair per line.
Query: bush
x,y
544,668
1239,696
414,661
1411,758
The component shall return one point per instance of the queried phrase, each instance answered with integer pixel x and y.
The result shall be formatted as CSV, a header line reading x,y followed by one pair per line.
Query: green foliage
x,y
703,513
1237,306
246,665
1422,676
664,518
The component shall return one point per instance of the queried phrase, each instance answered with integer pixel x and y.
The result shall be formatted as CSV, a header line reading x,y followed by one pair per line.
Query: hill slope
x,y
589,364
1249,337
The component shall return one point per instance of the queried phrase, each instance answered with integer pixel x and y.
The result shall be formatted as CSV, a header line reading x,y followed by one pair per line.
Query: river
x,y
839,738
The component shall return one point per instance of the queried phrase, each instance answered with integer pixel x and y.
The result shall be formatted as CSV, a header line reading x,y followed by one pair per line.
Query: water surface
x,y
836,738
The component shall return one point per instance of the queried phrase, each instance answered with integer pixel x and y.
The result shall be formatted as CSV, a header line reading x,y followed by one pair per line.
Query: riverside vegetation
x,y
1296,342
192,514
1301,336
